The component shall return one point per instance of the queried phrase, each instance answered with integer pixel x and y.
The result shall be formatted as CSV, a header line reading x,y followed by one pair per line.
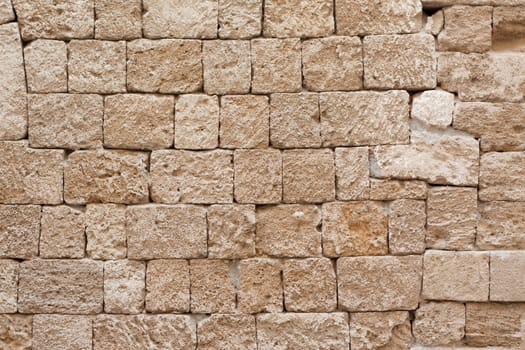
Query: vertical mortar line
x,y
281,273
201,42
334,13
39,231
142,18
263,6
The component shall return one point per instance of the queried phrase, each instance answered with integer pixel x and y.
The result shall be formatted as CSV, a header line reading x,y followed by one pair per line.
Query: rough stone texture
x,y
168,286
46,66
165,66
72,121
60,286
364,118
434,108
19,231
212,286
260,286
6,11
439,323
406,227
394,189
399,62
352,173
379,283
227,332
506,276
244,121
134,121
298,18
467,29
62,233
508,23
166,232
354,228
118,19
502,176
303,331
191,177
435,23
442,3
240,19
380,330
8,286
461,276
105,231
124,286
501,225
51,332
16,332
197,122
107,176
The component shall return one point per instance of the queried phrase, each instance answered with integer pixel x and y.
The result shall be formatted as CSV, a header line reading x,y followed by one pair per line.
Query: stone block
x,y
352,173
46,66
502,176
385,190
260,286
197,122
212,286
222,331
501,225
240,19
16,332
168,286
407,222
106,231
434,107
439,323
376,330
8,286
507,282
51,332
118,19
124,286
62,233
19,231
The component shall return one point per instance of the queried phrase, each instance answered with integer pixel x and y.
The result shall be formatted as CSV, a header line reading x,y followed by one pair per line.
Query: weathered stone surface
x,y
506,276
393,189
364,118
118,19
508,23
443,3
69,19
452,216
380,330
191,177
309,285
168,286
29,176
435,23
467,29
258,176
166,232
153,332
105,231
439,323
294,120
364,17
308,175
352,173
46,66
406,227
379,283
72,121
276,65
124,286
244,121
164,66
19,231
6,11
434,107
227,66
303,331
16,332
240,19
180,19
354,228
13,106
51,332
333,63
62,233
298,18
227,332
502,176
231,231
399,62
288,230
197,122
461,276
135,121
501,225
8,286
260,287
106,176
60,286
212,287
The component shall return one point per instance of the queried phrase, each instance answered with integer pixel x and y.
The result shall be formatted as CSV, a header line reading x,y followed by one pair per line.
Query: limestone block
x,y
395,189
507,282
502,176
508,23
212,286
222,331
197,122
8,286
16,332
260,286
501,225
62,233
439,323
376,330
6,11
434,107
407,226
352,173
467,29
168,286
46,66
118,19
51,332
19,231
240,19
106,231
124,286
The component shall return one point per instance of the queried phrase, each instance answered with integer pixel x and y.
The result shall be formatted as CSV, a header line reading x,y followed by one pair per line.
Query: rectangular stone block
x,y
240,19
376,330
8,286
168,286
62,233
6,11
352,173
501,225
221,331
439,323
385,190
16,332
502,176
19,231
212,286
51,332
407,222
105,231
46,66
507,282
433,107
508,23
118,19
197,122
260,286
124,286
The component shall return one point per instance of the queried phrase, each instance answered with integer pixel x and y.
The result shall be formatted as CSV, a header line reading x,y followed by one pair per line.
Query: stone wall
x,y
262,174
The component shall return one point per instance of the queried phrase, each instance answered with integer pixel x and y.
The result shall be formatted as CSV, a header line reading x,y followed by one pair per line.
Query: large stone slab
x,y
502,176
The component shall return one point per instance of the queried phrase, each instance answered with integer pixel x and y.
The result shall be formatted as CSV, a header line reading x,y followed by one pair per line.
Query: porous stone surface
x,y
407,226
8,285
380,330
16,331
352,173
118,19
433,107
227,332
124,286
19,231
508,23
501,225
501,176
105,231
439,323
197,122
46,66
62,233
52,332
240,19
260,286
395,189
6,11
467,29
506,280
212,287
168,286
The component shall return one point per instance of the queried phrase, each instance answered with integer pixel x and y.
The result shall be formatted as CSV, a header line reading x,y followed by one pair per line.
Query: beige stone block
x,y
166,232
439,323
96,66
106,176
240,19
394,189
134,121
124,286
501,225
227,332
434,107
180,19
298,18
51,332
62,233
46,66
458,276
352,173
8,286
168,286
276,65
364,118
260,286
507,282
406,227
105,231
191,177
16,332
508,23
30,176
197,122
244,121
303,331
294,120
309,285
400,62
118,19
467,29
288,230
69,19
502,176
166,66
333,63
364,17
379,283
258,176
380,330
212,286
308,175
6,11
231,231
19,231
355,228
442,3
60,286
